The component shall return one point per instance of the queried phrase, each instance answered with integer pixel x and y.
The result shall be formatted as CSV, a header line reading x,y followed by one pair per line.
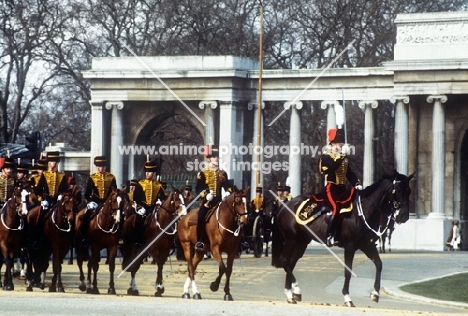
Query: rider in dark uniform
x,y
56,181
98,188
188,196
38,180
209,184
335,167
7,181
277,201
149,192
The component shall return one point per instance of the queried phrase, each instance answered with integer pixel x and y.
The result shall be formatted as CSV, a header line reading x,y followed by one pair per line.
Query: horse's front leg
x,y
221,268
349,257
371,252
55,271
111,258
8,279
159,276
228,271
93,265
79,262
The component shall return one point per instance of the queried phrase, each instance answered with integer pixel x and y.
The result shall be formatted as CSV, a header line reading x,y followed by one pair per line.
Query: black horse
x,y
357,230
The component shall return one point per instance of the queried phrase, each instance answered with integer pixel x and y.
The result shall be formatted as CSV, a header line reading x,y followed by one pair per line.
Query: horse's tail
x,y
277,243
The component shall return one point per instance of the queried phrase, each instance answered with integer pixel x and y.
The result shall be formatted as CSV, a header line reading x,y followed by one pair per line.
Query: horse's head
x,y
175,203
67,205
25,198
239,200
113,204
400,196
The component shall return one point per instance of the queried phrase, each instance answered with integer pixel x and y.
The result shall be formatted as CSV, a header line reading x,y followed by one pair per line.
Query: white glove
x,y
256,211
158,202
45,204
345,149
358,187
141,211
59,198
209,196
92,205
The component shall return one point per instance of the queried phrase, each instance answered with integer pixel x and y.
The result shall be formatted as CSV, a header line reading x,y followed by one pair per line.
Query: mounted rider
x,y
7,181
187,195
56,181
22,172
38,181
210,181
280,197
149,193
98,188
335,167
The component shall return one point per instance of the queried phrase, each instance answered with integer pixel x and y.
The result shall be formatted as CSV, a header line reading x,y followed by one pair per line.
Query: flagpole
x,y
344,116
259,105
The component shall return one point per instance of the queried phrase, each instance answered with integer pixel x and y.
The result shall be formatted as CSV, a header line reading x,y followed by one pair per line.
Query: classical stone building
x,y
427,81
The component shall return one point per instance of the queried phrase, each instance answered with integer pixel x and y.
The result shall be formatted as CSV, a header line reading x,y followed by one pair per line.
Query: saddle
x,y
193,216
315,206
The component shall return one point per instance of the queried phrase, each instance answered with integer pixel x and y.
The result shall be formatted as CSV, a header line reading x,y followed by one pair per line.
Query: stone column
x,y
253,106
96,132
368,168
230,139
331,114
116,159
438,156
209,117
401,133
295,148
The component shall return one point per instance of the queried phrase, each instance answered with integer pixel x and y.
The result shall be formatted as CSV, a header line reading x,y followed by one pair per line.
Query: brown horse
x,y
103,233
158,236
223,234
58,230
12,222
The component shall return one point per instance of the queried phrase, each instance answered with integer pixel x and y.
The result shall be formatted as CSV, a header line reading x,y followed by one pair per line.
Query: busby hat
x,y
188,186
211,151
279,187
133,182
336,135
53,156
259,190
150,166
41,164
287,188
8,163
22,168
100,161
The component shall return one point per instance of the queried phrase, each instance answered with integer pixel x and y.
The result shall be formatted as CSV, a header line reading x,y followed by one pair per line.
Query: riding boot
x,y
85,228
331,231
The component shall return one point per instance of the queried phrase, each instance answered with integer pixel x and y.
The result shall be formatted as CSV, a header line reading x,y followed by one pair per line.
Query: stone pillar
x,y
295,148
209,117
116,159
401,133
253,106
96,132
438,156
331,114
368,168
230,139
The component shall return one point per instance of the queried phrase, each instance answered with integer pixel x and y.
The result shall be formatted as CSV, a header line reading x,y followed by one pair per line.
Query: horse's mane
x,y
371,188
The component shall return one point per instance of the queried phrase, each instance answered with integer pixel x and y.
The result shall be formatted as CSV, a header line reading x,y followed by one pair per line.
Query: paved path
x,y
257,288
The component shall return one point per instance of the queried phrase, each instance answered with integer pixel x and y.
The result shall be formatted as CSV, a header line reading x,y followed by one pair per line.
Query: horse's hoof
x,y
129,291
291,301
228,297
8,288
89,291
110,290
214,286
134,292
197,296
297,297
186,295
42,286
29,289
159,292
95,291
36,284
375,296
82,287
349,304
52,289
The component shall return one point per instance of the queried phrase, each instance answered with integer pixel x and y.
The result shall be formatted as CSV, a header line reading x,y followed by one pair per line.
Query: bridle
x,y
115,225
64,215
173,201
18,210
234,209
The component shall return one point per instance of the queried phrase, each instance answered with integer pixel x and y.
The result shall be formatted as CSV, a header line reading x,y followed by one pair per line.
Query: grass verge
x,y
450,288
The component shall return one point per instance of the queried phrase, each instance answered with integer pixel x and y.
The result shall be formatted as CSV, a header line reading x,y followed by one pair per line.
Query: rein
x,y
239,225
65,217
396,207
174,229
114,227
21,224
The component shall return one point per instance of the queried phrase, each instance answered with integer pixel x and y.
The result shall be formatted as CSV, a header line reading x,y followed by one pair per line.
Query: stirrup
x,y
199,246
330,241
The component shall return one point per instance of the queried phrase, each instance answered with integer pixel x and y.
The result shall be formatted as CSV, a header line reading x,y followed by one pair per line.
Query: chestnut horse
x,y
357,230
158,236
12,223
223,234
58,230
103,233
